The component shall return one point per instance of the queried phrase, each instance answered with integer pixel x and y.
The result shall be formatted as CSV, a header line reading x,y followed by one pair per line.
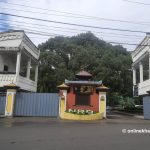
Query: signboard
x,y
82,89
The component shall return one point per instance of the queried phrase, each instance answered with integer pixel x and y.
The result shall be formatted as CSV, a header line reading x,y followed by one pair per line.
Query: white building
x,y
141,67
18,60
141,73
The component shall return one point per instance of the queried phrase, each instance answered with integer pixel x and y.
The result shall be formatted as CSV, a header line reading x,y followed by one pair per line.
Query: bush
x,y
127,103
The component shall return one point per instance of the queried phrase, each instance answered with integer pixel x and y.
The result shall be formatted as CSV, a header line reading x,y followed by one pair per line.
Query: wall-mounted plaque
x,y
82,89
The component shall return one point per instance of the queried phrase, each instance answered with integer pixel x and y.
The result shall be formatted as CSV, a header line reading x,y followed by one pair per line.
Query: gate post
x,y
102,99
10,98
63,98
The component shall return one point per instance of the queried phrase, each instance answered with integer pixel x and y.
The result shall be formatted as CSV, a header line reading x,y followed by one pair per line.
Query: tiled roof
x,y
84,73
63,86
11,86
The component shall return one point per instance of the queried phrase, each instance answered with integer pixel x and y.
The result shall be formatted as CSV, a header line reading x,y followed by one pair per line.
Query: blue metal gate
x,y
2,104
146,107
36,104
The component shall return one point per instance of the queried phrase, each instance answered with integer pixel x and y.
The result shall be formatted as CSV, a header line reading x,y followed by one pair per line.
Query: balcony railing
x,y
23,82
26,84
6,79
6,72
144,87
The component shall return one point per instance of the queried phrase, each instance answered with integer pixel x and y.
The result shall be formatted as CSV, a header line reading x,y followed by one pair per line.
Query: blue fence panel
x,y
146,107
2,104
37,104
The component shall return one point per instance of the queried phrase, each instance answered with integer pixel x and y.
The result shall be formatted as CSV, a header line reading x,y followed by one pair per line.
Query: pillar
x,y
102,103
36,73
28,68
62,103
134,76
141,72
10,99
102,100
18,63
63,99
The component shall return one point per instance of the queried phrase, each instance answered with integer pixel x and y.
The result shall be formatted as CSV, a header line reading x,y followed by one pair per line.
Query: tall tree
x,y
61,58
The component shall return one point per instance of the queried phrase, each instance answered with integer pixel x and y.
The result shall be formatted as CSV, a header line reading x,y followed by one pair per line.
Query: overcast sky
x,y
99,13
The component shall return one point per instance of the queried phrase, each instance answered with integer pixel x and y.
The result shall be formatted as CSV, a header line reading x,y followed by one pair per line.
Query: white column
x,y
65,95
141,72
102,104
134,75
18,63
36,73
28,68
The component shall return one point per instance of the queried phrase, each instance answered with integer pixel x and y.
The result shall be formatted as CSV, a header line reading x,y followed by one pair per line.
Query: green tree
x,y
62,57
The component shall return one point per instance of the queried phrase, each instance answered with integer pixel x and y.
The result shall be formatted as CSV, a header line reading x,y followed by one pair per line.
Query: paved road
x,y
54,134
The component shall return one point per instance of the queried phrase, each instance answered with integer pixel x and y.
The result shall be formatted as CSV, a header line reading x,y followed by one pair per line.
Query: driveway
x,y
54,134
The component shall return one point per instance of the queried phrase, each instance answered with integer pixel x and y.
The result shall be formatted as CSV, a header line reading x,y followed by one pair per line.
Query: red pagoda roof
x,y
84,73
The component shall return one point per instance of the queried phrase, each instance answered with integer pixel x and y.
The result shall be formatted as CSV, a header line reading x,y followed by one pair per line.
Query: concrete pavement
x,y
54,134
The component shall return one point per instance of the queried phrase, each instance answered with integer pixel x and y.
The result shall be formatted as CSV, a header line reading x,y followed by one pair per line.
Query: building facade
x,y
141,73
18,60
141,67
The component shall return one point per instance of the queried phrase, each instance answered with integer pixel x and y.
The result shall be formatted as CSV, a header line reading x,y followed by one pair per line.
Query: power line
x,y
123,43
46,13
74,15
16,25
32,31
53,35
36,27
72,29
136,2
72,24
98,19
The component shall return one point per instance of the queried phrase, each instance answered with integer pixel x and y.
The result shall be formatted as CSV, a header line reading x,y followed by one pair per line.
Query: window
x,y
82,99
5,68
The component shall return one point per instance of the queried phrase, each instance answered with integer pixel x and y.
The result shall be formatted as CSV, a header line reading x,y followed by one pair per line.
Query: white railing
x,y
22,82
6,79
26,84
144,87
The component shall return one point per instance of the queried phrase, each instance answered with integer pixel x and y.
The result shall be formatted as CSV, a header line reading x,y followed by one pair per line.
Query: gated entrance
x,y
36,104
2,104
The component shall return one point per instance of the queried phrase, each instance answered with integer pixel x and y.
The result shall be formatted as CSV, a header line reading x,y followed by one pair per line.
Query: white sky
x,y
110,9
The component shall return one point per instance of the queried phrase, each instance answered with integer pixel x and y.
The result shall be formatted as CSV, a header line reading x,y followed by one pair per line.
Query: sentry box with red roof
x,y
83,98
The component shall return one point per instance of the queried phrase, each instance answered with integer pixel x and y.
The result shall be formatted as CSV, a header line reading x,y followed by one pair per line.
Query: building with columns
x,y
141,67
141,73
18,61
